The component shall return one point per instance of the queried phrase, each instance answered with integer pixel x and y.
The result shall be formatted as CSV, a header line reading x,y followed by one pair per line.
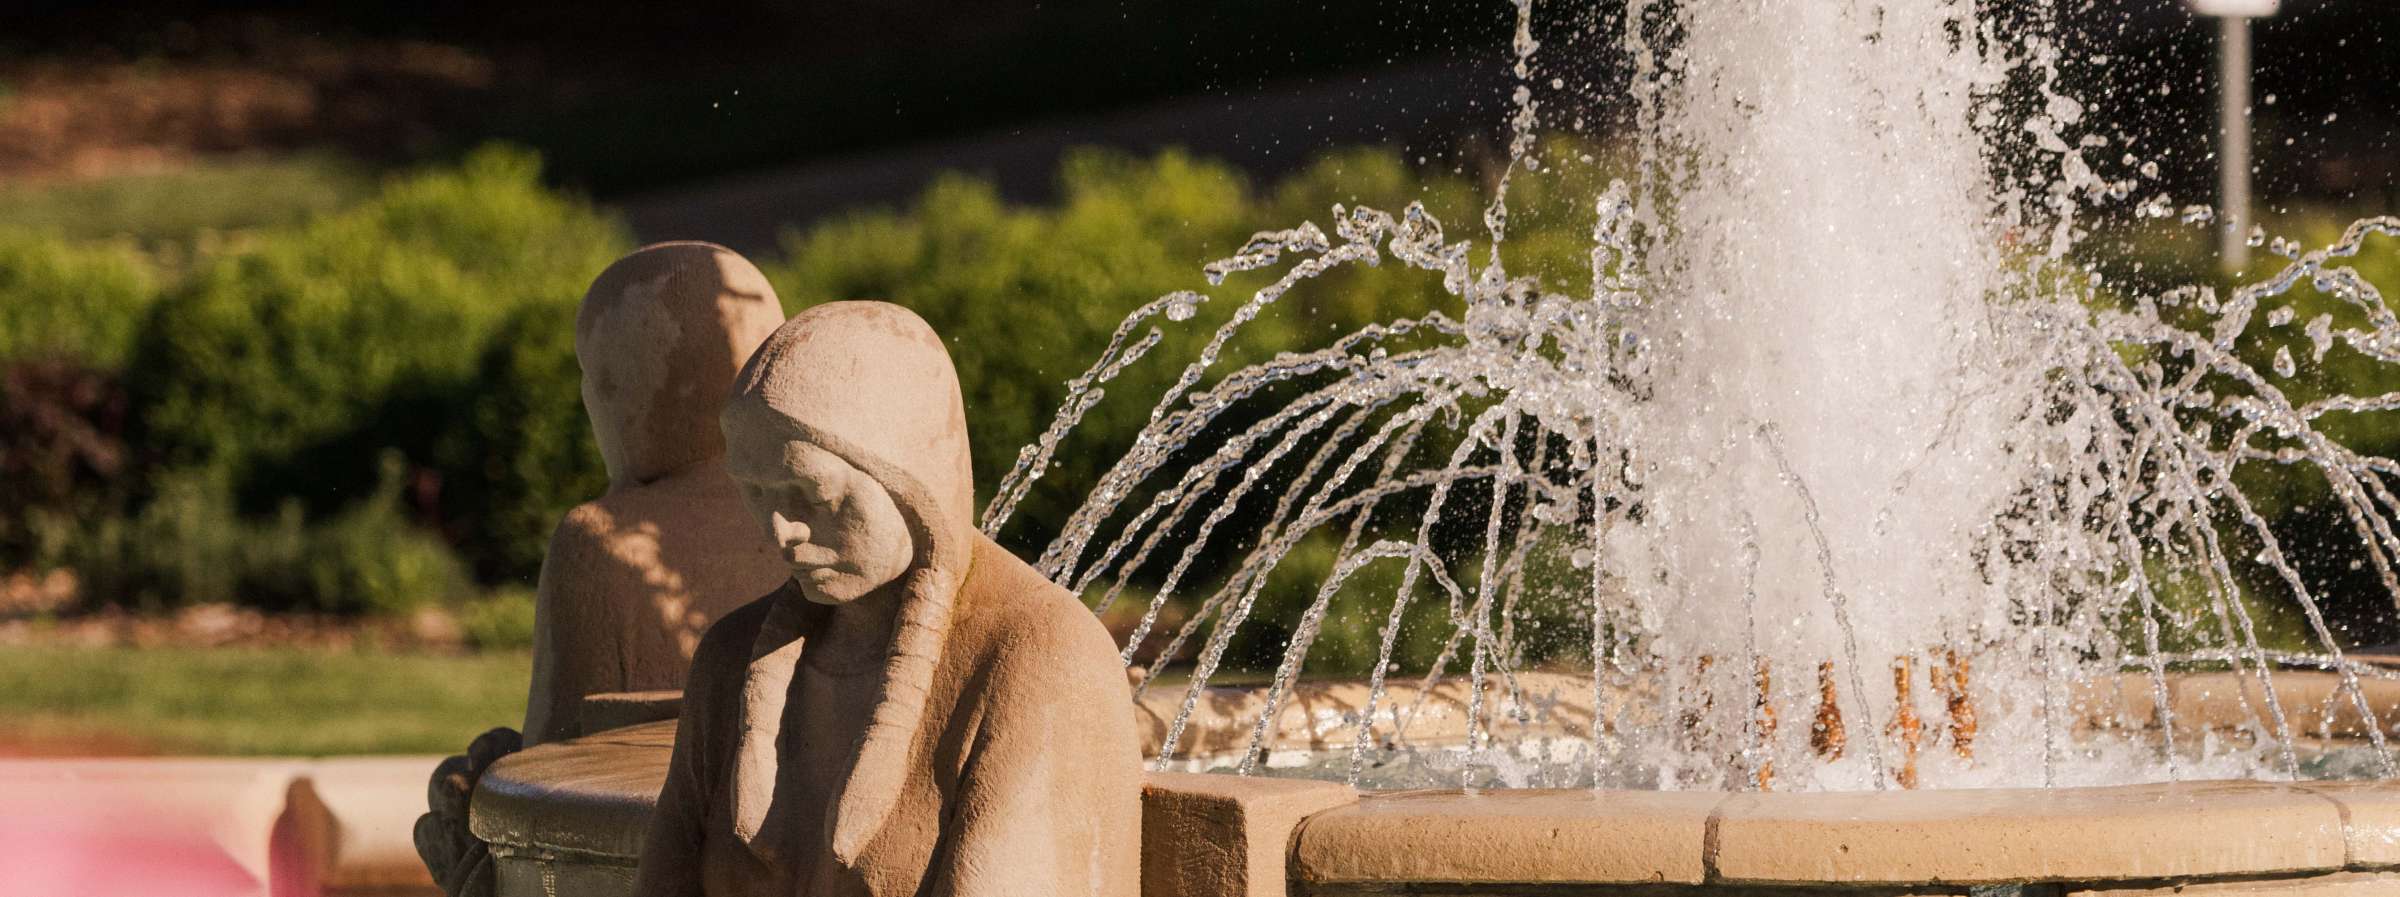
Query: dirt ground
x,y
94,116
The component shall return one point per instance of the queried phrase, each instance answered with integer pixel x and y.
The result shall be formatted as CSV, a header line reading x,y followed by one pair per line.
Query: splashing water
x,y
1856,479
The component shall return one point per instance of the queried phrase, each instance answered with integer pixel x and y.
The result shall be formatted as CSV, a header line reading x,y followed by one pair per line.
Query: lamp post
x,y
2233,121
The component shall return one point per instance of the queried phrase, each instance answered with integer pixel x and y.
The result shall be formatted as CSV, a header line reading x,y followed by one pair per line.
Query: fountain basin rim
x,y
2187,830
585,802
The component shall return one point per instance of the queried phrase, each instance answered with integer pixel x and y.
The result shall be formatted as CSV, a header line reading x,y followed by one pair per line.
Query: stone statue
x,y
915,711
633,577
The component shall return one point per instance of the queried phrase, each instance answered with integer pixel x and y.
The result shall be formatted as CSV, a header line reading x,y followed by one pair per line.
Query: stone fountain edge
x,y
1265,837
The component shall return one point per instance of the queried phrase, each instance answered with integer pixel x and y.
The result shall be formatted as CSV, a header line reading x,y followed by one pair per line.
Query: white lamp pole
x,y
2233,122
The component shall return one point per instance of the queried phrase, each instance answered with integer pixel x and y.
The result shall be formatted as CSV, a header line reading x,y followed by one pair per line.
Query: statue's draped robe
x,y
1000,759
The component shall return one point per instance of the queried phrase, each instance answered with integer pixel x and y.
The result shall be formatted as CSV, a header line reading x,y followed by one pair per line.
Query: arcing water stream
x,y
1838,433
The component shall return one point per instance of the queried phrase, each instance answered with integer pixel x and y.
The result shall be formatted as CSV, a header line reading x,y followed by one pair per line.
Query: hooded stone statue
x,y
916,711
632,578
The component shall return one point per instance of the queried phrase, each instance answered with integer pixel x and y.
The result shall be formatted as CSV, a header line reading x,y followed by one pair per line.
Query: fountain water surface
x,y
1856,475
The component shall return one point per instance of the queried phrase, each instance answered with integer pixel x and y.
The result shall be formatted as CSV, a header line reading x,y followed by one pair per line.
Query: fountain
x,y
1904,553
1839,399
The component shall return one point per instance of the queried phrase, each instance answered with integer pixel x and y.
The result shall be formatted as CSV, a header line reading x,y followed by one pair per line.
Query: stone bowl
x,y
567,818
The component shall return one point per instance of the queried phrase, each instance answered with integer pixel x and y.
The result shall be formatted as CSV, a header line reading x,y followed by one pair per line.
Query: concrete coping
x,y
2314,703
2189,830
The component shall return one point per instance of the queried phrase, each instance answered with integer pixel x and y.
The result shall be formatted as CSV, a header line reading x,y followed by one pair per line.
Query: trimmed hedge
x,y
354,414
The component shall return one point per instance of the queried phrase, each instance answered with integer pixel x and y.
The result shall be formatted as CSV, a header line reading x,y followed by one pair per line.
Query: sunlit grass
x,y
247,701
180,206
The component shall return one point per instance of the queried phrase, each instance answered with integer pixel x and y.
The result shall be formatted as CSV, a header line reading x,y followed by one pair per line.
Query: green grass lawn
x,y
254,701
174,208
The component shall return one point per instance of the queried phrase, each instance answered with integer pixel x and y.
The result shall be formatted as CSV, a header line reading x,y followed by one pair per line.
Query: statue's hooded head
x,y
850,438
660,336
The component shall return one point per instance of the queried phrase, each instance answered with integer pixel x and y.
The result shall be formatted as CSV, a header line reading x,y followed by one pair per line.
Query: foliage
x,y
68,299
1030,296
2320,538
1003,64
189,546
290,365
519,451
64,455
378,407
299,402
502,620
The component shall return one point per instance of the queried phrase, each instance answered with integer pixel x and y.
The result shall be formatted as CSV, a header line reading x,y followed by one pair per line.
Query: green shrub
x,y
189,546
520,452
502,620
290,364
62,453
62,299
1030,296
352,413
185,546
1350,632
372,559
268,384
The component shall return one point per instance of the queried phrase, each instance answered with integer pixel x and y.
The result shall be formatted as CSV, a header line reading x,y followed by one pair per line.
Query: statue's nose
x,y
789,532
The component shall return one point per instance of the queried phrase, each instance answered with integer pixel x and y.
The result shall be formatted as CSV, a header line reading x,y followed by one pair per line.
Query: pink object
x,y
96,857
161,828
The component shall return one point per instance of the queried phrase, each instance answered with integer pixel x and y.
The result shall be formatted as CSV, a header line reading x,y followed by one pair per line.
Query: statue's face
x,y
835,526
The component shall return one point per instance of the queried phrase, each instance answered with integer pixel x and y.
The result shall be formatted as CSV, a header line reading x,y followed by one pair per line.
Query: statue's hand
x,y
461,865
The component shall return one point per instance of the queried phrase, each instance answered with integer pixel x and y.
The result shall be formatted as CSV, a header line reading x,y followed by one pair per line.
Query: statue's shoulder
x,y
603,528
587,526
582,570
644,509
1023,613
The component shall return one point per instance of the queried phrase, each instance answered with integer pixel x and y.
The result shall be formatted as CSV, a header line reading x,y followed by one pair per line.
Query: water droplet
x,y
2320,336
